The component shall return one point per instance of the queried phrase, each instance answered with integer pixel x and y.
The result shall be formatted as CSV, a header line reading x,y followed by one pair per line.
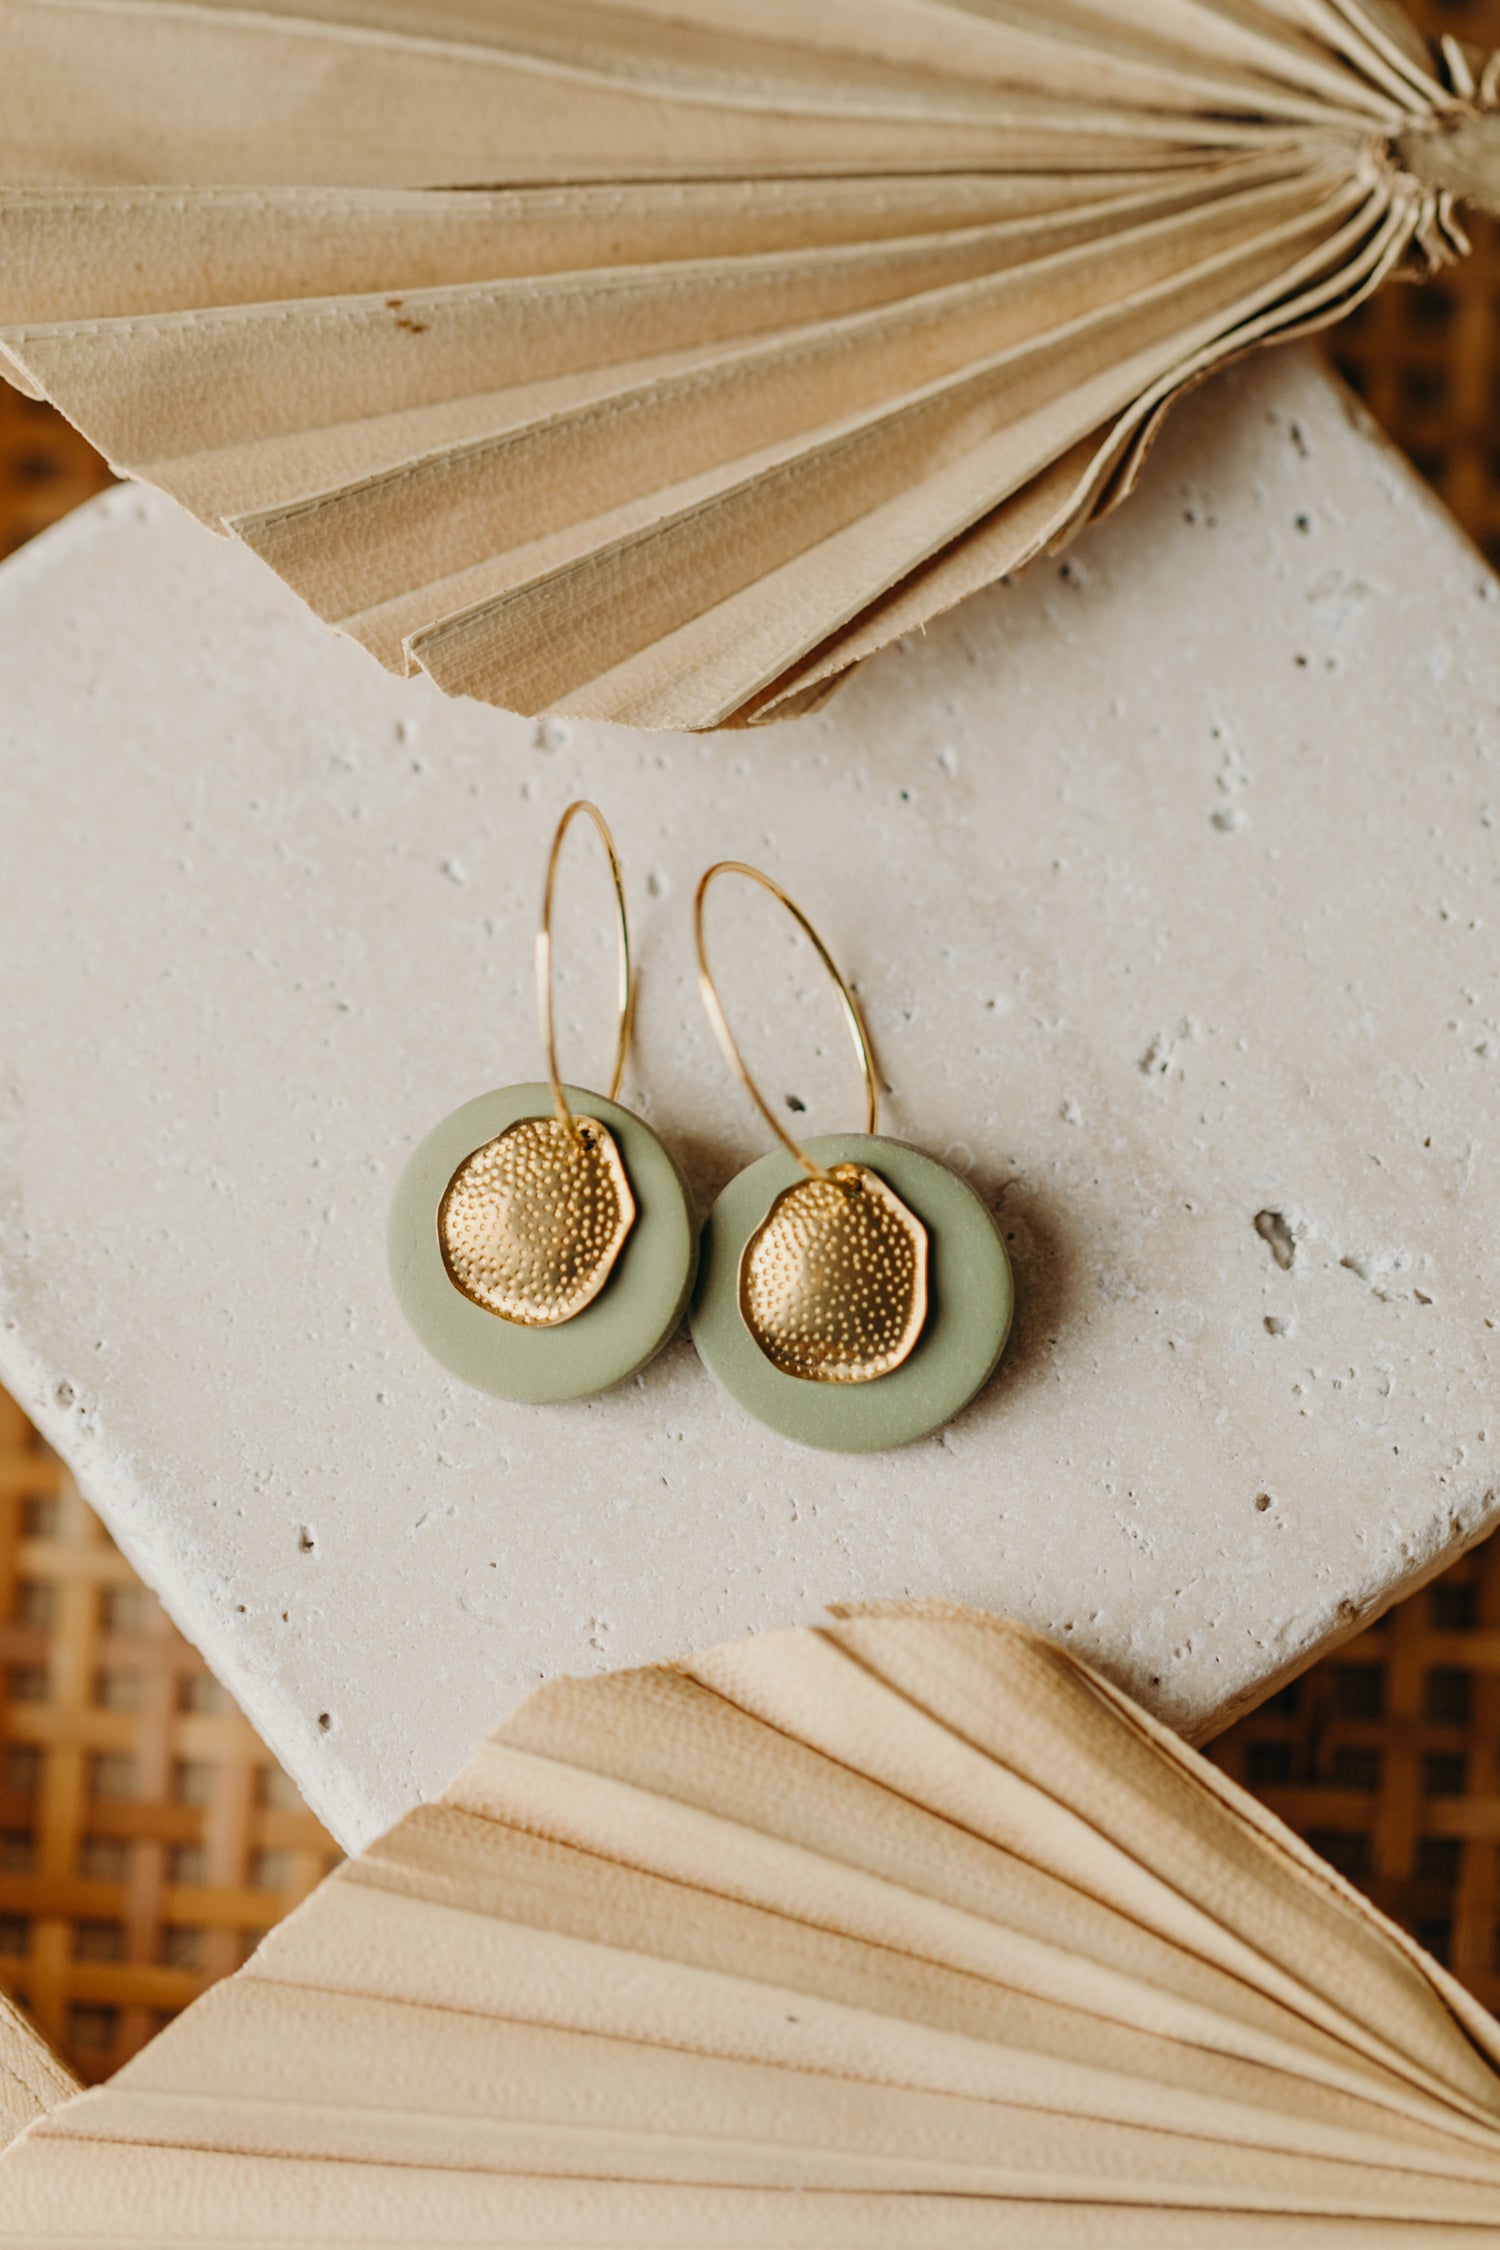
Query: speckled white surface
x,y
1171,880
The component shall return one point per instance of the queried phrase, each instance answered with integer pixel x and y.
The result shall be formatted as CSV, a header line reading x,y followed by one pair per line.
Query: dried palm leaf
x,y
908,1931
660,360
32,2080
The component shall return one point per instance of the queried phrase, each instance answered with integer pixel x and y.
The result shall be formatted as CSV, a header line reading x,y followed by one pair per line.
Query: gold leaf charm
x,y
833,1283
531,1224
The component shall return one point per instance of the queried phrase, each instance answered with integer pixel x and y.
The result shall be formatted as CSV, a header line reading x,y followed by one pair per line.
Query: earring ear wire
x,y
625,986
542,1240
859,1036
814,1306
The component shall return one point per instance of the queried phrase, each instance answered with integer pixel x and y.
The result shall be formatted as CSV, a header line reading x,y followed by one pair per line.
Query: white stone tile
x,y
1171,881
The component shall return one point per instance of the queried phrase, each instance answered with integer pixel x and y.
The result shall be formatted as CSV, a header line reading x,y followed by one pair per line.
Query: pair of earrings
x,y
851,1294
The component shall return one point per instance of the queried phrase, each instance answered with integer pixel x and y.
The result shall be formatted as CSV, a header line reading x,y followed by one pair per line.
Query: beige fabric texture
x,y
906,1930
657,362
32,2080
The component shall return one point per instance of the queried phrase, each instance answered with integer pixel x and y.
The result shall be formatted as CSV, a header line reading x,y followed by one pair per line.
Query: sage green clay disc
x,y
628,1322
971,1298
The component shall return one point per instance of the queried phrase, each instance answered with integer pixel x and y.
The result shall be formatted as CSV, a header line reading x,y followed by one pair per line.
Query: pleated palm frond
x,y
910,1931
659,361
32,2079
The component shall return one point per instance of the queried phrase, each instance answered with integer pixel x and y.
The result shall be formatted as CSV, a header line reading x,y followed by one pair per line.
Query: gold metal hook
x,y
716,1016
625,988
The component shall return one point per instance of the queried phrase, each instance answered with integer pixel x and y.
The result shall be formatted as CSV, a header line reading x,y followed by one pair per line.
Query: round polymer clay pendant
x,y
856,1310
538,1264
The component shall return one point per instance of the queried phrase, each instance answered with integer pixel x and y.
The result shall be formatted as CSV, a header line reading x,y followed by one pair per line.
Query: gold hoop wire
x,y
853,1019
625,986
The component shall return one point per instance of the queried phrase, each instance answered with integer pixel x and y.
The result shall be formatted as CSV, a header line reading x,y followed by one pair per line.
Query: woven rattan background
x,y
45,466
1386,1758
147,1837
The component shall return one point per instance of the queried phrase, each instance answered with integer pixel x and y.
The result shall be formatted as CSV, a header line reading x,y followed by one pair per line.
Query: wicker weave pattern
x,y
147,1839
1426,361
46,468
1386,1758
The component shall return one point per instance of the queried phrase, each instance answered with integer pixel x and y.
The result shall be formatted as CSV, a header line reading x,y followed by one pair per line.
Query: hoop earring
x,y
854,1293
542,1241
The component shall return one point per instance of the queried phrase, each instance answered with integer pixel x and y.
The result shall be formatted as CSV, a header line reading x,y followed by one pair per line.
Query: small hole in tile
x,y
1277,1236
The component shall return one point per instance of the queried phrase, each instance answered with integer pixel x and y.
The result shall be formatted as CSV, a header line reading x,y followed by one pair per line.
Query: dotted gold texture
x,y
531,1224
833,1283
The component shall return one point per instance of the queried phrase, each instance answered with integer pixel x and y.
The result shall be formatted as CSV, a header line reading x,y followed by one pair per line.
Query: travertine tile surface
x,y
1171,882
